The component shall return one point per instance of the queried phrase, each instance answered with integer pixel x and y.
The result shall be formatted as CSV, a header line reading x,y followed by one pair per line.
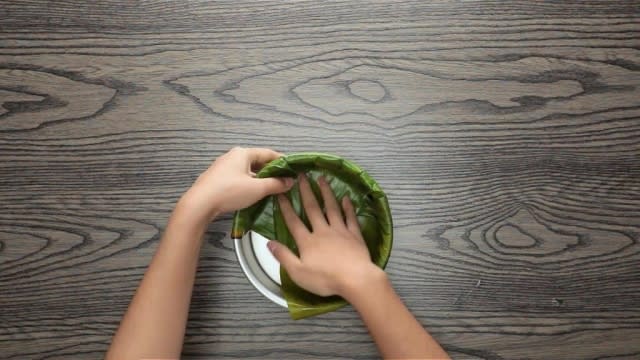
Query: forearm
x,y
394,329
154,324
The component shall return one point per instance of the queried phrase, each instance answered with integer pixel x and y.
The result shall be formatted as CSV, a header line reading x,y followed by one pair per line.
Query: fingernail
x,y
301,176
271,245
288,182
321,179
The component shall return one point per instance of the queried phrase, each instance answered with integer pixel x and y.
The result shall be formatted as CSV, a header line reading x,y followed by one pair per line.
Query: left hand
x,y
230,184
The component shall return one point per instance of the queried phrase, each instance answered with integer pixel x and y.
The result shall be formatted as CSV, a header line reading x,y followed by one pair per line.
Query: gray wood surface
x,y
507,135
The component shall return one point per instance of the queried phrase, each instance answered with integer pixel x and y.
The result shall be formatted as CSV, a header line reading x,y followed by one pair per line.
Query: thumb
x,y
286,258
275,185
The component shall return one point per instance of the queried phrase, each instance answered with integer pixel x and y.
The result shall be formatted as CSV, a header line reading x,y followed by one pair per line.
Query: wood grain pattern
x,y
506,134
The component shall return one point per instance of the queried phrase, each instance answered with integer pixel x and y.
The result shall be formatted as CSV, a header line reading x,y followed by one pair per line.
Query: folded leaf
x,y
345,178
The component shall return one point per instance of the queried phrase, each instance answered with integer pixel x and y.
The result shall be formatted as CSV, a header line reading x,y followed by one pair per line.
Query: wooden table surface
x,y
506,134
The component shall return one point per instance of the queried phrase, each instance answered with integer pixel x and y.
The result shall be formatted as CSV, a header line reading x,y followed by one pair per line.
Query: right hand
x,y
333,255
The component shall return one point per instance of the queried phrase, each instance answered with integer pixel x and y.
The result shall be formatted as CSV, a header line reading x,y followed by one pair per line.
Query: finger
x,y
271,186
285,257
258,157
350,216
296,227
310,203
334,215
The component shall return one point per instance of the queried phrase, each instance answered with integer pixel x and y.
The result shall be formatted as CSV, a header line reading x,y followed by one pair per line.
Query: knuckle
x,y
265,188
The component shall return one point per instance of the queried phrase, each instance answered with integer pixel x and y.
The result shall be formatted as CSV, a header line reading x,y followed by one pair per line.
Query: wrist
x,y
361,285
192,211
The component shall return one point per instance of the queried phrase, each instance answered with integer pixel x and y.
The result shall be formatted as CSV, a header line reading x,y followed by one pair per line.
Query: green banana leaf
x,y
345,178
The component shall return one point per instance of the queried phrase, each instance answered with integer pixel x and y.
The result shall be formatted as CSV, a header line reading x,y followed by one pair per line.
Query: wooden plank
x,y
507,136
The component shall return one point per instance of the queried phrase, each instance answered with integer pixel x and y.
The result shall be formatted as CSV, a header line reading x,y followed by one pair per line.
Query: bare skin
x,y
350,273
154,325
155,322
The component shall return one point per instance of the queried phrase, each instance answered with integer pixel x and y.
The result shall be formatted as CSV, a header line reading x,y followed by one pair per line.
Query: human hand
x,y
333,255
229,184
